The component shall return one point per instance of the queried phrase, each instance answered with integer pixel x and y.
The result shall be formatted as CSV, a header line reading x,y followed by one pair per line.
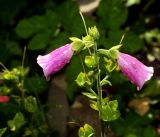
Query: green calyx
x,y
112,53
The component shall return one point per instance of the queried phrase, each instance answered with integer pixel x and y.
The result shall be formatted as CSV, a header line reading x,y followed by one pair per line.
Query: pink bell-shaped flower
x,y
4,99
134,70
55,60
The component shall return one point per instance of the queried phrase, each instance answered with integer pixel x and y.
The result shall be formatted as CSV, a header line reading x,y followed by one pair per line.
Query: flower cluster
x,y
132,68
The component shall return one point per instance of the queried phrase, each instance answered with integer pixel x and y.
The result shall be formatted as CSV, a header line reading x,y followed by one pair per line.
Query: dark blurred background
x,y
43,25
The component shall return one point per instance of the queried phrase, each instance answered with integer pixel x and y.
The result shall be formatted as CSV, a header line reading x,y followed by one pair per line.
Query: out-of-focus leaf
x,y
2,131
130,44
35,84
152,34
17,122
9,9
30,104
39,41
14,48
112,13
152,89
132,2
27,27
60,40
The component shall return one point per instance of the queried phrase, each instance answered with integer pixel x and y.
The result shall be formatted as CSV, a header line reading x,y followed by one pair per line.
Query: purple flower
x,y
56,60
134,70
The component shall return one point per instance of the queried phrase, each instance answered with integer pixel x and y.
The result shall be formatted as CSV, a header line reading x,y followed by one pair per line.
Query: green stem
x,y
99,89
82,63
1,64
85,26
84,22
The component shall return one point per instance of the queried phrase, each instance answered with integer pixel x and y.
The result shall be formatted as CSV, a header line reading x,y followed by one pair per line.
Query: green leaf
x,y
94,105
82,80
35,84
86,131
91,61
149,132
105,82
2,131
75,39
152,89
77,46
27,27
112,13
90,95
131,42
30,104
17,122
109,112
39,41
110,65
88,41
14,48
132,2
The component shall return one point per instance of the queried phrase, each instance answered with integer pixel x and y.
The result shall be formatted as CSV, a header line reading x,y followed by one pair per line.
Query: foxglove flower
x,y
56,60
4,99
134,70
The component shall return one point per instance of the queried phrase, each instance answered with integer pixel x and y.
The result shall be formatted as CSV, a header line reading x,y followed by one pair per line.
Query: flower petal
x,y
134,70
4,99
56,60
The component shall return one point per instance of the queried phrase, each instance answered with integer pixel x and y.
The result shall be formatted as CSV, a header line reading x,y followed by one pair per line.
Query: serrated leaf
x,y
90,95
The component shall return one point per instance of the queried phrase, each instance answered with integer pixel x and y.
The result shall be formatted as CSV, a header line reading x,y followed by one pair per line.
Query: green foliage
x,y
30,104
108,111
83,80
35,84
93,32
86,131
112,13
134,125
17,122
90,95
2,131
91,61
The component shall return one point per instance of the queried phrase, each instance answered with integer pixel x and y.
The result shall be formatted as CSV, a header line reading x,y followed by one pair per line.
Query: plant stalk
x,y
99,89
